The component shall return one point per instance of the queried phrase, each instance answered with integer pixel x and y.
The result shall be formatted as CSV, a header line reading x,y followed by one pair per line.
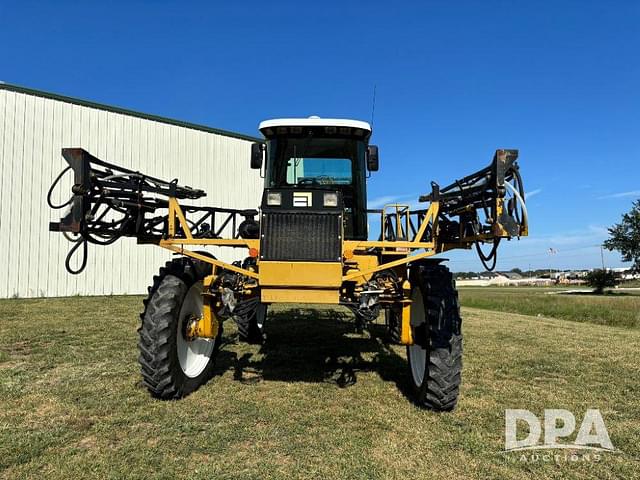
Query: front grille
x,y
301,237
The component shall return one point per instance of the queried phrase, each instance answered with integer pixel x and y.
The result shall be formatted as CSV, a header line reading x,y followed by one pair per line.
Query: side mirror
x,y
372,158
257,150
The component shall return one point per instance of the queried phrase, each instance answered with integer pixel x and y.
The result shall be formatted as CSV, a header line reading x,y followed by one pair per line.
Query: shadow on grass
x,y
306,345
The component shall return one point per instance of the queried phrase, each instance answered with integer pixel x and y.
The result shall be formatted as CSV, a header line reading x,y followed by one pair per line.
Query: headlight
x,y
330,199
274,198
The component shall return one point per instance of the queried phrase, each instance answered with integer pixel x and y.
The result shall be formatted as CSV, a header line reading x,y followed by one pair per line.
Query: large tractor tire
x,y
392,320
435,358
250,316
171,365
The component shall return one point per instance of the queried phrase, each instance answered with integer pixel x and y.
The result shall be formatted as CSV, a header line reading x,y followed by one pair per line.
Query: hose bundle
x,y
109,202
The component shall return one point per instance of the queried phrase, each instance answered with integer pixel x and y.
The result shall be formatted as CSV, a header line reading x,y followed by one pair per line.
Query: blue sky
x,y
455,80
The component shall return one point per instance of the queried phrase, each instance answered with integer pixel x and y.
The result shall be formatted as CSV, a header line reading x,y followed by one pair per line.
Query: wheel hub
x,y
194,352
190,327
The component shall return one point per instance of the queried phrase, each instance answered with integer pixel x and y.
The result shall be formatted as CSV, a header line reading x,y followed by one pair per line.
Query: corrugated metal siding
x,y
33,129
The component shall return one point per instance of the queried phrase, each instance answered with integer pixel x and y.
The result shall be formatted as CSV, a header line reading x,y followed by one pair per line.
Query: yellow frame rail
x,y
177,220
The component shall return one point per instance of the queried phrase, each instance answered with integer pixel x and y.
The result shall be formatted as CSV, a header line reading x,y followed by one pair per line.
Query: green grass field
x,y
616,308
316,401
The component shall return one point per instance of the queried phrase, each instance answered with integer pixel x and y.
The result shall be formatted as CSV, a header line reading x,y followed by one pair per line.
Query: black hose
x,y
70,238
519,186
109,241
53,185
492,256
67,262
516,173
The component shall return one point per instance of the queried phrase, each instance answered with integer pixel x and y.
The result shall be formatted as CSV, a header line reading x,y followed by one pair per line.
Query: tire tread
x,y
156,345
444,369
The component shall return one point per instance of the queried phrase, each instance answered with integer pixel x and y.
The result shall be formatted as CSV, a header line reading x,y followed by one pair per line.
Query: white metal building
x,y
35,125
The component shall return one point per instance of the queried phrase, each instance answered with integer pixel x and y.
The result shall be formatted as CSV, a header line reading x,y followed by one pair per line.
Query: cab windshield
x,y
319,171
314,161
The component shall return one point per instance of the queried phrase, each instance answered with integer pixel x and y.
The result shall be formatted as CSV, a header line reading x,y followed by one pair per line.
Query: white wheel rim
x,y
193,355
417,354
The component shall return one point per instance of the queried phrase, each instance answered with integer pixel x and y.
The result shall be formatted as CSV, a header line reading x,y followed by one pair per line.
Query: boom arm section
x,y
109,202
485,191
483,207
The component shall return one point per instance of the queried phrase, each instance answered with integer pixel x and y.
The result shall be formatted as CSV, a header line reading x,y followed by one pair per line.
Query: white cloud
x,y
579,248
632,193
592,235
380,201
599,230
532,193
387,199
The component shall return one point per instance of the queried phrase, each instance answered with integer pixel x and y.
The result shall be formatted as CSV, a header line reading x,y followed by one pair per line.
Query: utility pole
x,y
602,256
552,251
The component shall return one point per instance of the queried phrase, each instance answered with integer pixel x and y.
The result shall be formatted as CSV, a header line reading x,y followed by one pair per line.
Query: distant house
x,y
499,279
511,275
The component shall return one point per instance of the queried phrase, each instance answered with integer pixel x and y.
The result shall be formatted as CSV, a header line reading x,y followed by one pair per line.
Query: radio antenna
x,y
373,105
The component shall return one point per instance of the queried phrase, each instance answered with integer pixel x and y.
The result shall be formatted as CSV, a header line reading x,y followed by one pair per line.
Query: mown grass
x,y
316,401
616,308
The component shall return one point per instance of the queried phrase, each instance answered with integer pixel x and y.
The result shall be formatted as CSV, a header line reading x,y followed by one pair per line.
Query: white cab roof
x,y
314,122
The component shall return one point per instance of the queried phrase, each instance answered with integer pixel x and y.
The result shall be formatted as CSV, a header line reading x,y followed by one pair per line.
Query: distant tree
x,y
625,237
600,279
516,270
465,275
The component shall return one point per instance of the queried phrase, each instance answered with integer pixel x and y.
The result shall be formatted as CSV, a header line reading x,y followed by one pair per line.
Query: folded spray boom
x,y
486,206
483,207
109,202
